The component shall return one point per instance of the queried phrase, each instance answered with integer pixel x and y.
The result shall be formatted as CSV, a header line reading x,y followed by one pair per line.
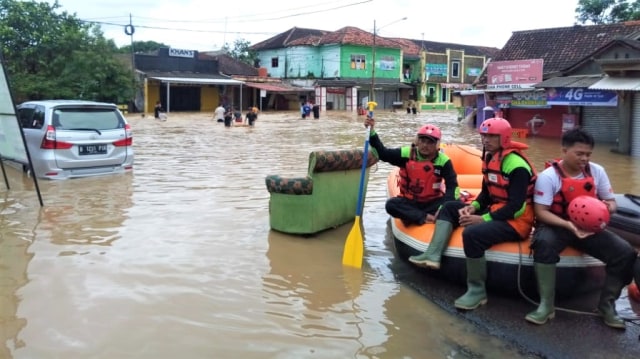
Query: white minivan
x,y
74,138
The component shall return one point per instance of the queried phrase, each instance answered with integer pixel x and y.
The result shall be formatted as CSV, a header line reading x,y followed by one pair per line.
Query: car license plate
x,y
92,149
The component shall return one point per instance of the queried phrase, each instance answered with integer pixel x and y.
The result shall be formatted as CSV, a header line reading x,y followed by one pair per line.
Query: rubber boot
x,y
439,241
476,294
546,277
607,305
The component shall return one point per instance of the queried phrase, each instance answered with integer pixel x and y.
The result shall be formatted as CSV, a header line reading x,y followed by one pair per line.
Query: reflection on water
x,y
177,258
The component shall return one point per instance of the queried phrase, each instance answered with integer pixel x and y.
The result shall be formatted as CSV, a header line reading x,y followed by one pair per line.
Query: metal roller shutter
x,y
635,126
602,123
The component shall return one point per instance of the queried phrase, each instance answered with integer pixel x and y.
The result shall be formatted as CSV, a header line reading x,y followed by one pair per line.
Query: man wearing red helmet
x,y
568,179
423,167
503,210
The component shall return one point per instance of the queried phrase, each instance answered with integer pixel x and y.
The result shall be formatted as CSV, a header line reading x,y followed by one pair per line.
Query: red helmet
x,y
497,126
430,131
588,213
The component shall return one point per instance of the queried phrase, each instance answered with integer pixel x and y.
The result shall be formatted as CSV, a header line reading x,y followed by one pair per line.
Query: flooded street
x,y
177,260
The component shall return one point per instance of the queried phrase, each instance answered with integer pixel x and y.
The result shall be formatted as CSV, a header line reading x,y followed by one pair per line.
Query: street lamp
x,y
372,96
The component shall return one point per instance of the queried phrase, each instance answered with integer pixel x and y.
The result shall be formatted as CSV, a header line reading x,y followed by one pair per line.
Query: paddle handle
x,y
365,160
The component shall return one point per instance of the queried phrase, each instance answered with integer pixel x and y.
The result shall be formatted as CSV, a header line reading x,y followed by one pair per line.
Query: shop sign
x,y
338,90
571,96
436,69
474,71
529,99
182,53
505,75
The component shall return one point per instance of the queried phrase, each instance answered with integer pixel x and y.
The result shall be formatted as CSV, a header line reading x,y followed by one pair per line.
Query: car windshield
x,y
87,118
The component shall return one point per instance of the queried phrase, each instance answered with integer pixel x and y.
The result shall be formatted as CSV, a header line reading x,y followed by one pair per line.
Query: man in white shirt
x,y
218,113
575,177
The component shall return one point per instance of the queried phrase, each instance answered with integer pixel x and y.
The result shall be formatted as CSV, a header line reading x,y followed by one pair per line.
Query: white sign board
x,y
11,143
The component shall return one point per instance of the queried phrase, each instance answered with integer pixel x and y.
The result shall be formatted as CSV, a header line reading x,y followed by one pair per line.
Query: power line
x,y
241,19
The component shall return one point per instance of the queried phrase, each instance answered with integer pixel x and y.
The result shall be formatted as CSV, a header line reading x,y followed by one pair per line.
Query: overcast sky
x,y
207,24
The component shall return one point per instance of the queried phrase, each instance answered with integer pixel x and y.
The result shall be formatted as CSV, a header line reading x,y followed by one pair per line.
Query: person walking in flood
x,y
218,113
228,118
252,116
159,112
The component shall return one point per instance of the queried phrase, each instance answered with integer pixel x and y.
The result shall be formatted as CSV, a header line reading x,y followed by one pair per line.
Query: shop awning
x,y
276,87
471,92
569,81
198,80
617,84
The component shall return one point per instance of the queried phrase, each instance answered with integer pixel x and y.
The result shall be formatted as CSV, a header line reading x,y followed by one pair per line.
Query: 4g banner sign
x,y
571,96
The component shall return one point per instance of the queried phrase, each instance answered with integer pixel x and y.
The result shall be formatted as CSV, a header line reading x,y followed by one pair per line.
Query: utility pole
x,y
372,96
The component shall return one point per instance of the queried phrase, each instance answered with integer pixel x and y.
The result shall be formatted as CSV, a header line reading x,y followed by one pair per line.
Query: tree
x,y
142,47
241,51
607,11
52,54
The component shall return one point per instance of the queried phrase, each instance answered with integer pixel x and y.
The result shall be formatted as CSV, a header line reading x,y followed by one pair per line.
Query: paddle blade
x,y
354,246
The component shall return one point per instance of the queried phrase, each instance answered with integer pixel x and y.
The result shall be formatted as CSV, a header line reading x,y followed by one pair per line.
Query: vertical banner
x,y
12,143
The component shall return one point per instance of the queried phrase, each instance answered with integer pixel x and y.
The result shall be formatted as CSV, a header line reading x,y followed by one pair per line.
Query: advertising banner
x,y
581,97
518,74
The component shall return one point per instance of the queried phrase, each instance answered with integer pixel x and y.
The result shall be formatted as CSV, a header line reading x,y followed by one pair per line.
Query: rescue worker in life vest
x,y
502,212
562,182
422,171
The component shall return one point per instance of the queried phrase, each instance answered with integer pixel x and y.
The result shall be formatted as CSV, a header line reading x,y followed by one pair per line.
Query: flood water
x,y
176,260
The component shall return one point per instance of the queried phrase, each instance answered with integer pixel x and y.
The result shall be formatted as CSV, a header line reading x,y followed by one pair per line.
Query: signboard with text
x,y
515,74
436,69
581,97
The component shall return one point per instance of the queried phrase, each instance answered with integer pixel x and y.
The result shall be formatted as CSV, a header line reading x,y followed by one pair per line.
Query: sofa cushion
x,y
284,185
338,160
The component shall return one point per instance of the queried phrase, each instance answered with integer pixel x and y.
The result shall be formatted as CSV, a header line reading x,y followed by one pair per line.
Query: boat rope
x,y
526,297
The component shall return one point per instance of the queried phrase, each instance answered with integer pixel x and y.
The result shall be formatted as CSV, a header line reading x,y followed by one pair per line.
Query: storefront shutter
x,y
602,123
635,126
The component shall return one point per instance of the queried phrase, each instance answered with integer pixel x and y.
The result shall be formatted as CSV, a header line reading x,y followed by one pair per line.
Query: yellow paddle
x,y
354,245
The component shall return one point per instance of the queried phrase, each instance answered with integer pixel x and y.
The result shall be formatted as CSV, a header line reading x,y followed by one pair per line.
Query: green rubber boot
x,y
546,277
607,305
439,241
476,294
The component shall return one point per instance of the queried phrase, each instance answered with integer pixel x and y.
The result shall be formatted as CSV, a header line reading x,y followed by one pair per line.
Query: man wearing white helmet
x,y
423,168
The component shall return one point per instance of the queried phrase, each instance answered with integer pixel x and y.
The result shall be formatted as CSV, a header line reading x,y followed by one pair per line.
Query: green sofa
x,y
325,198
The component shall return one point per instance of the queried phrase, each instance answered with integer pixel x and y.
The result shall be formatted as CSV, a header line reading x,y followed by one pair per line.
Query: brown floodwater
x,y
177,259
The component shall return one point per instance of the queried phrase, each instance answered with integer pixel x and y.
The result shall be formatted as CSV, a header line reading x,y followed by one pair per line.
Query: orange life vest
x,y
422,180
498,182
570,189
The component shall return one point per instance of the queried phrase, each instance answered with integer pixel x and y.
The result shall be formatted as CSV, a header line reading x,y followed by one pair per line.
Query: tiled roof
x,y
284,39
442,47
350,35
229,66
412,47
563,46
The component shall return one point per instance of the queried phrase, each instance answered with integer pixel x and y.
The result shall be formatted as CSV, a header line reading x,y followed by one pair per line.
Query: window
x,y
445,91
387,63
406,73
455,69
274,62
68,118
31,117
358,62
